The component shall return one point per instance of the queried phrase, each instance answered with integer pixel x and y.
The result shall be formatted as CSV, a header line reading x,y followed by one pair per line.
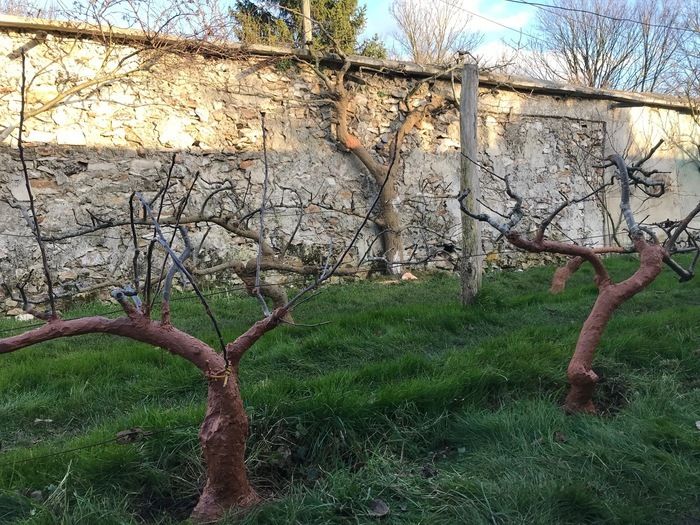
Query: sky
x,y
515,16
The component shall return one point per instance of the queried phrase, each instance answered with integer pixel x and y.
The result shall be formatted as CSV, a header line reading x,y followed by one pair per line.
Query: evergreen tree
x,y
372,47
280,22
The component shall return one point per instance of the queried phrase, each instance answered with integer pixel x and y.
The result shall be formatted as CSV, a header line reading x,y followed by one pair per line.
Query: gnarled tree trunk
x,y
223,438
385,174
562,274
276,294
388,218
224,432
246,272
581,377
392,241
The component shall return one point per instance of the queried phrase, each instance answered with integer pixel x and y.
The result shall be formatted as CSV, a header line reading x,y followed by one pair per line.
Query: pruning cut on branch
x,y
644,241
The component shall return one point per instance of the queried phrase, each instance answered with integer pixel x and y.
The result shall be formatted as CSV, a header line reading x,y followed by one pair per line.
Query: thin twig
x,y
137,252
32,207
261,231
184,271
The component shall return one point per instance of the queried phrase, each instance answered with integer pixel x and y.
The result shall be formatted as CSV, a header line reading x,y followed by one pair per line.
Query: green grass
x,y
448,414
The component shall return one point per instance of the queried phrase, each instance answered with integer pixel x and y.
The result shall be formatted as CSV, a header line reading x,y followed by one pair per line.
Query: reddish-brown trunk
x,y
561,275
223,438
581,378
388,218
225,428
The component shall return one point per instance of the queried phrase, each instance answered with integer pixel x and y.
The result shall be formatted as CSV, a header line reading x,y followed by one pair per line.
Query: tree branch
x,y
140,329
32,207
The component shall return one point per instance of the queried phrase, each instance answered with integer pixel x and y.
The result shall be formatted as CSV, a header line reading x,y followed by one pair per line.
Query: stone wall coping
x,y
393,68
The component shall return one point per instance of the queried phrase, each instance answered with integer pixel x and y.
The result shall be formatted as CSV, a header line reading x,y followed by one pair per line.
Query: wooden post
x,y
471,264
306,24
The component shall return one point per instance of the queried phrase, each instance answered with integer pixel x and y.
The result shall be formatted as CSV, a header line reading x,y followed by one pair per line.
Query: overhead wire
x,y
550,7
490,20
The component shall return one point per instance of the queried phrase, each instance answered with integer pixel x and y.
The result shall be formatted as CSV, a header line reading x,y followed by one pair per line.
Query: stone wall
x,y
89,153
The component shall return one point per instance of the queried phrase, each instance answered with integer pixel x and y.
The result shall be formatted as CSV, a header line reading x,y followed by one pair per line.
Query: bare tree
x,y
433,32
608,44
36,9
688,73
384,164
653,254
420,102
230,205
224,430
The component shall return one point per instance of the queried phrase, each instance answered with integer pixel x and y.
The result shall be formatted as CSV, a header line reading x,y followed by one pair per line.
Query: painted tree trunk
x,y
223,433
610,296
582,379
562,275
223,438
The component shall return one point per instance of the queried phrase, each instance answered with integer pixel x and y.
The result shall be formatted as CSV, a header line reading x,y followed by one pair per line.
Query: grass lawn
x,y
448,415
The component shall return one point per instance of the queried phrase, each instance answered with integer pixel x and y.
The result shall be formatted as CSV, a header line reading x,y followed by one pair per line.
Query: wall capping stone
x,y
385,67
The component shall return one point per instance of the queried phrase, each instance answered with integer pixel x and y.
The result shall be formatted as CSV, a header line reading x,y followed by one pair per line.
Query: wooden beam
x,y
471,263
